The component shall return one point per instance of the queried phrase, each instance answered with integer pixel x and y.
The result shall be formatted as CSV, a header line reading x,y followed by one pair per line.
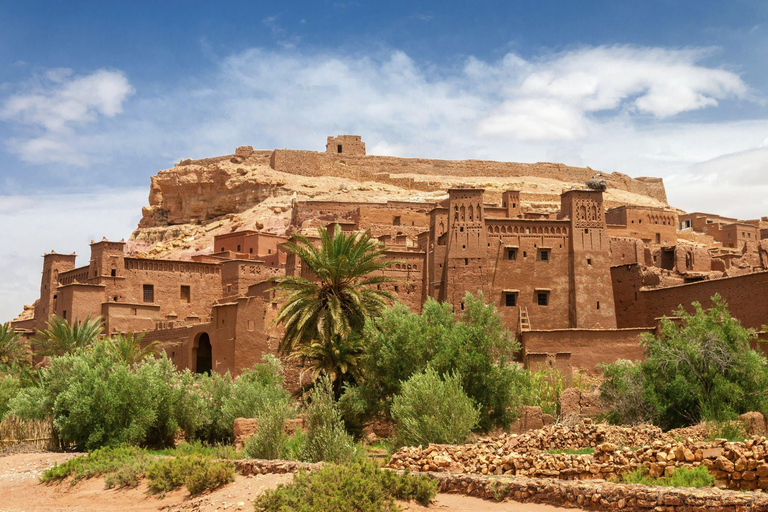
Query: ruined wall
x,y
588,347
310,163
742,293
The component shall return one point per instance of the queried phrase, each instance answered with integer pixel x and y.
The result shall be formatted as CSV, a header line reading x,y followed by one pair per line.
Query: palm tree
x,y
127,348
335,357
13,350
319,315
60,338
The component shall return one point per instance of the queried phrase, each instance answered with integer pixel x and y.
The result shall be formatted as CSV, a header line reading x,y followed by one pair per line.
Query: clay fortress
x,y
578,272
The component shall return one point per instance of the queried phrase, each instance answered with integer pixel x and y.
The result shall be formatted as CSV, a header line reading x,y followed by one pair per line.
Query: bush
x,y
121,466
476,347
432,410
269,441
196,473
358,487
9,387
197,447
327,439
700,367
623,391
681,477
97,399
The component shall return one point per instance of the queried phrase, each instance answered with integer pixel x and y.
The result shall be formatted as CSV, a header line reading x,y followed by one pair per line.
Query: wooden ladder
x,y
524,322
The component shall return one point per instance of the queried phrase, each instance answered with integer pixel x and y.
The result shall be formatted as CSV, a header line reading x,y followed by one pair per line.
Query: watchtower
x,y
345,145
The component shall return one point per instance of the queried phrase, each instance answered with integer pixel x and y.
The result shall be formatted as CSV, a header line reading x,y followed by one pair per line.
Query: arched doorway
x,y
203,354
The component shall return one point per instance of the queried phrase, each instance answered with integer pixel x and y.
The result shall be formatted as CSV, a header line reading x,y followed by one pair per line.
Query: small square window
x,y
186,294
338,148
397,288
544,255
113,273
542,298
511,254
589,261
510,299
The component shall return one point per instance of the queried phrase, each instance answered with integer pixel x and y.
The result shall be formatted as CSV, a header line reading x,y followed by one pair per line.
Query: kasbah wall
x,y
577,287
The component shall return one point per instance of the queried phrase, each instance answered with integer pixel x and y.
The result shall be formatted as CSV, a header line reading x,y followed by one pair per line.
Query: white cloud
x,y
560,90
58,104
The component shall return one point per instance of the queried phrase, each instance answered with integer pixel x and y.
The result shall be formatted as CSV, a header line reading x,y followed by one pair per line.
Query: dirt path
x,y
20,491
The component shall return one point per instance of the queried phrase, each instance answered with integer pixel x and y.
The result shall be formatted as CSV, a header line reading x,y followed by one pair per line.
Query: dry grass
x,y
38,434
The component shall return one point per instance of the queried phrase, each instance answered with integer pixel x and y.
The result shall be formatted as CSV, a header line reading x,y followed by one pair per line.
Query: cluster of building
x,y
577,286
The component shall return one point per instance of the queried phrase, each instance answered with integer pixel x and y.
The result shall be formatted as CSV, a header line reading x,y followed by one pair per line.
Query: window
x,y
542,298
544,254
510,299
589,260
64,314
396,220
397,288
238,247
462,306
149,293
269,251
113,273
186,294
222,249
466,261
229,288
338,148
250,250
598,304
511,254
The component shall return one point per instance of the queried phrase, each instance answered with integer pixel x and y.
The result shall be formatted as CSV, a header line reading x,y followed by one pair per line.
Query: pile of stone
x,y
734,465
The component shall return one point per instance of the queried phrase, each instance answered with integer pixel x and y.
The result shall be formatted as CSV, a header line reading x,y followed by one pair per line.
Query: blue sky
x,y
96,97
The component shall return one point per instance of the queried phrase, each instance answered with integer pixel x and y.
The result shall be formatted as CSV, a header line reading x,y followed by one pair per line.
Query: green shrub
x,y
623,391
476,347
327,439
733,431
681,477
355,408
121,466
9,387
196,473
269,441
432,410
699,367
357,487
197,447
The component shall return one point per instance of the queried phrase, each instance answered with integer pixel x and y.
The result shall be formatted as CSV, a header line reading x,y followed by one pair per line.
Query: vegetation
x,y
197,473
127,348
326,439
61,338
700,367
13,351
124,466
475,347
357,487
322,317
681,477
98,399
578,451
433,410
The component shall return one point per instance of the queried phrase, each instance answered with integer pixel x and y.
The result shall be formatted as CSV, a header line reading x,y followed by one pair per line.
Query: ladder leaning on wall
x,y
524,323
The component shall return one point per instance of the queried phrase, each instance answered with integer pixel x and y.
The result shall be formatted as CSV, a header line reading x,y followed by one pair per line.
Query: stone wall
x,y
588,347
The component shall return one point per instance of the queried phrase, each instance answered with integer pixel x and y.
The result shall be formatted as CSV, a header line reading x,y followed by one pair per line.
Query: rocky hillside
x,y
198,199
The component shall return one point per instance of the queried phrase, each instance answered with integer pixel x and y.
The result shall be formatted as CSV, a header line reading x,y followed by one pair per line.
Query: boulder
x,y
754,423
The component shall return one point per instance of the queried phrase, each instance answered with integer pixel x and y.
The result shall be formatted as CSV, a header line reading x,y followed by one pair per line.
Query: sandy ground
x,y
20,490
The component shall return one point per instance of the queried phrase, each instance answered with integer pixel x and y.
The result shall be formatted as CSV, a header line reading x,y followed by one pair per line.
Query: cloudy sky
x,y
95,97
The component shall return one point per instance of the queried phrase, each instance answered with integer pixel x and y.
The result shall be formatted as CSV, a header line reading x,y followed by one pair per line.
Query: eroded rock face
x,y
255,189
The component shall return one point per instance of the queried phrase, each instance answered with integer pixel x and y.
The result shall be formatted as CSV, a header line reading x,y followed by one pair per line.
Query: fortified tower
x,y
107,259
591,290
345,145
53,265
466,257
511,201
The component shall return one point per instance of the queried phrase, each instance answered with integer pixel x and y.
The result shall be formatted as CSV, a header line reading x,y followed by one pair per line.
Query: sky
x,y
96,97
